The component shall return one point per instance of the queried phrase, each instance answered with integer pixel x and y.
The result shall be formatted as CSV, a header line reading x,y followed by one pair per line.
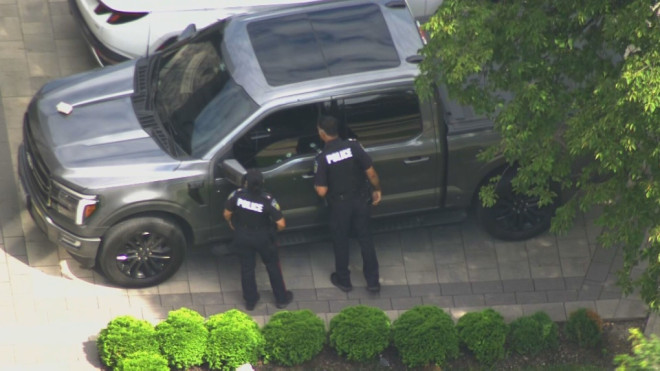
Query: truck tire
x,y
142,252
515,217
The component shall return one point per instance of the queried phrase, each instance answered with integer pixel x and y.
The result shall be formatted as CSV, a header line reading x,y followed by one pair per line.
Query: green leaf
x,y
573,102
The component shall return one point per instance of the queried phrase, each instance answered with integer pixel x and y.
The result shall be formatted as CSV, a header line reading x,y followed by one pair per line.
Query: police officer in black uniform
x,y
251,212
345,176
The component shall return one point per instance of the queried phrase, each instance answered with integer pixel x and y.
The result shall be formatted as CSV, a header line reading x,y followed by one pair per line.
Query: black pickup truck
x,y
128,165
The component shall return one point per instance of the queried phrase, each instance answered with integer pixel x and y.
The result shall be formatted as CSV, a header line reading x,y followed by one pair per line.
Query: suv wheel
x,y
514,216
142,252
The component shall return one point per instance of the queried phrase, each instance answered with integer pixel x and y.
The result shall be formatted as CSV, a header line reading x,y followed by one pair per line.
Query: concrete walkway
x,y
51,310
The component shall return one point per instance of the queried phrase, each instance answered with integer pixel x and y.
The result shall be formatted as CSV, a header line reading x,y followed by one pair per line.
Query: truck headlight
x,y
69,203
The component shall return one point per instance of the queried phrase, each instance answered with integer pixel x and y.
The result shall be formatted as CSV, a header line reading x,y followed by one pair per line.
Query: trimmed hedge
x,y
141,361
585,328
484,333
422,335
125,335
360,333
182,338
293,337
234,339
532,334
425,334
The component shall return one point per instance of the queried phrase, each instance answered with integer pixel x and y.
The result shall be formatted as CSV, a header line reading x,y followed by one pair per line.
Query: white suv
x,y
117,30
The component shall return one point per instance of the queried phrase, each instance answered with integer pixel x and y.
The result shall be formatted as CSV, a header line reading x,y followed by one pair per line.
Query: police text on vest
x,y
338,156
254,206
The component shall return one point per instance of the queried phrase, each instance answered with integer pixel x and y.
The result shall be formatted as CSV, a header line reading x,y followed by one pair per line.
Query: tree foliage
x,y
645,353
573,87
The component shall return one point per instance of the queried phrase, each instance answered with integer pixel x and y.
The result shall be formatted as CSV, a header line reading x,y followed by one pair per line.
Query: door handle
x,y
416,159
308,176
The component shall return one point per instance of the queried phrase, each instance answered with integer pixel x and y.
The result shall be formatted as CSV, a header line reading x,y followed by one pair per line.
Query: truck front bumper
x,y
82,249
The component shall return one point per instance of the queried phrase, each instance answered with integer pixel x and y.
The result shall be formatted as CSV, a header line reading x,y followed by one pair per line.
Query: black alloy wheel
x,y
515,216
142,252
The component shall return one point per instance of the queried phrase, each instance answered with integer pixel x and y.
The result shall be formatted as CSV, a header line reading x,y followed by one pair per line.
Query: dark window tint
x,y
278,137
382,118
323,43
196,99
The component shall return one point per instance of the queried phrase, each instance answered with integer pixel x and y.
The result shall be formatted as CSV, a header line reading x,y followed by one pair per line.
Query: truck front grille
x,y
37,172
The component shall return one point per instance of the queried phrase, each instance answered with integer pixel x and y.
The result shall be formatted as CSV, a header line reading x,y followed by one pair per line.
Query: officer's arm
x,y
375,183
320,181
281,224
227,214
321,190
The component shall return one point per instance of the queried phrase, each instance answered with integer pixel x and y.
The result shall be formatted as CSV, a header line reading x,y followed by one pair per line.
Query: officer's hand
x,y
375,196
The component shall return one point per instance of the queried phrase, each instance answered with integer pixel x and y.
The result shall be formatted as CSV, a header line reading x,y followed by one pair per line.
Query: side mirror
x,y
187,32
234,171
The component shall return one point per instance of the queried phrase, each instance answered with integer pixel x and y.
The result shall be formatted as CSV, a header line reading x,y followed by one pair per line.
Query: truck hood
x,y
100,133
151,6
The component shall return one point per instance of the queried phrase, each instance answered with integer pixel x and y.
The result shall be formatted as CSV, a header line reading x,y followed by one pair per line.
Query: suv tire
x,y
515,217
142,252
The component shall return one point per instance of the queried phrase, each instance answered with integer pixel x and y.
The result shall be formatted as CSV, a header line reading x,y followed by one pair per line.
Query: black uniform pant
x,y
248,243
346,214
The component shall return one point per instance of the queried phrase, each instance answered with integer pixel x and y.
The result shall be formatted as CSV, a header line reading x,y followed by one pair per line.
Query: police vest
x,y
251,211
345,176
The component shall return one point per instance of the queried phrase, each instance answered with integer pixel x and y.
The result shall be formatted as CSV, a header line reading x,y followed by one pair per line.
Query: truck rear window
x,y
318,44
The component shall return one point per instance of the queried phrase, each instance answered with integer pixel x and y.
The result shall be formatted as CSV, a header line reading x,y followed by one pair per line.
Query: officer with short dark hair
x,y
251,212
345,176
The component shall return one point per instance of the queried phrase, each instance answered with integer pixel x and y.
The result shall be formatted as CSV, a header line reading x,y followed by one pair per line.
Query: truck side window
x,y
279,136
382,118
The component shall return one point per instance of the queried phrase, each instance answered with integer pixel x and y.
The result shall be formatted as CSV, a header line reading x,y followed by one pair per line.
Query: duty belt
x,y
344,196
260,228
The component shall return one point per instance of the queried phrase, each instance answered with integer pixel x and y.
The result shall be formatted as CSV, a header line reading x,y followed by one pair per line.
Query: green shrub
x,y
484,333
360,333
646,353
182,338
143,361
234,339
425,334
125,335
585,328
532,334
293,337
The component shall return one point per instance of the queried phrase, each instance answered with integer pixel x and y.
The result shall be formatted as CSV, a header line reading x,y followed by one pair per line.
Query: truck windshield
x,y
195,97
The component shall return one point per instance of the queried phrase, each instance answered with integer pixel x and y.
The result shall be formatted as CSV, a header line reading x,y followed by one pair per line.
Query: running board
x,y
381,225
